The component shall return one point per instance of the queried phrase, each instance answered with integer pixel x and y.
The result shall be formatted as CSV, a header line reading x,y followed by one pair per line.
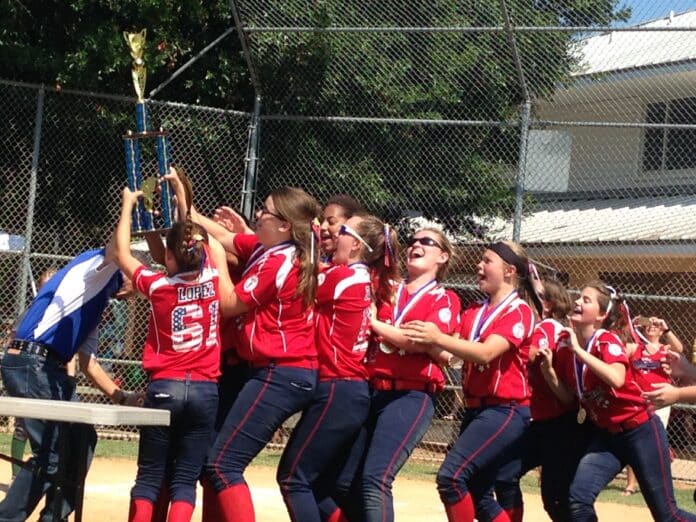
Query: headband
x,y
508,255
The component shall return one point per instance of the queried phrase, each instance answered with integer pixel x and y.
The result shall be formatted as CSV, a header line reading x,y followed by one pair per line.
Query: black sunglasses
x,y
425,241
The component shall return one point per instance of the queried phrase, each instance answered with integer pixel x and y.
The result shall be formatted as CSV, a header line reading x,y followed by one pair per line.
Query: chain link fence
x,y
570,128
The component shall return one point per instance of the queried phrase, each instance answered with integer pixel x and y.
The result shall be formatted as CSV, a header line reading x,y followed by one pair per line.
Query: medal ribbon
x,y
580,367
399,313
483,320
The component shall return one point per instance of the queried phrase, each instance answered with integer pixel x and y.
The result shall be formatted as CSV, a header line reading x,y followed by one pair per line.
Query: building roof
x,y
616,220
620,50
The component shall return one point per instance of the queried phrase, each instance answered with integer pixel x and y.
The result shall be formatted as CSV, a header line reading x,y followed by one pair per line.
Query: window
x,y
670,149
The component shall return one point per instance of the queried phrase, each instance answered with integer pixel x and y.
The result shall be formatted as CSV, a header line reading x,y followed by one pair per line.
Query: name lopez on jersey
x,y
194,293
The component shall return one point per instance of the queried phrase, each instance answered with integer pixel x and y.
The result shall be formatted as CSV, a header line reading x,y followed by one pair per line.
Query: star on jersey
x,y
178,319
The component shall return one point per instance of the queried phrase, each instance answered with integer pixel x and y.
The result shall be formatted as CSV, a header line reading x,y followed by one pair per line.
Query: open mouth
x,y
416,253
577,310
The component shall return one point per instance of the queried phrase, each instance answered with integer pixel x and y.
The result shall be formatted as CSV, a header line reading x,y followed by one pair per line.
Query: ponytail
x,y
383,259
300,209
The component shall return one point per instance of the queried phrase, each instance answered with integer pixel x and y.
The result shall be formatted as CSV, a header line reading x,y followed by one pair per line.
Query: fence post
x,y
521,170
26,254
250,178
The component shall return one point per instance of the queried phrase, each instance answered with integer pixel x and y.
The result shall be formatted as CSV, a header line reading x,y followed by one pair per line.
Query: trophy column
x,y
155,210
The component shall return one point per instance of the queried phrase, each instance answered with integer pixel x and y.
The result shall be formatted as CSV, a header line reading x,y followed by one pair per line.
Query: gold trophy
x,y
147,217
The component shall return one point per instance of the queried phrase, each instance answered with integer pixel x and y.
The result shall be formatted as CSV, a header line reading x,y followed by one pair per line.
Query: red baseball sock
x,y
462,511
235,504
181,511
337,516
140,510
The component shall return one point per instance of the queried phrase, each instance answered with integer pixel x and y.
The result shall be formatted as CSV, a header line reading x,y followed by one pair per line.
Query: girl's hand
x,y
421,332
664,394
129,198
545,358
660,323
675,364
573,338
231,220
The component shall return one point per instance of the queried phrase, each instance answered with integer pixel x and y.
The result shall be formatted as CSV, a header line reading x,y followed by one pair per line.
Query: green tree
x,y
448,172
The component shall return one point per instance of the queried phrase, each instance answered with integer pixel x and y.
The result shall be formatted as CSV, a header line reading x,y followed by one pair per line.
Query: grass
x,y
414,469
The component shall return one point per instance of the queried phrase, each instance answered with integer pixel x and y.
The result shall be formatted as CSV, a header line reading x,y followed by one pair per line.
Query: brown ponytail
x,y
185,240
300,209
383,260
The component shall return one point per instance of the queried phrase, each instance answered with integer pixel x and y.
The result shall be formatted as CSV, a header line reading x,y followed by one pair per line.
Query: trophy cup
x,y
155,210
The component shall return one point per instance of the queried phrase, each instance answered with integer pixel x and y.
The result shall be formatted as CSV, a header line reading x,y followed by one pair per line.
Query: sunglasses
x,y
264,210
424,241
345,230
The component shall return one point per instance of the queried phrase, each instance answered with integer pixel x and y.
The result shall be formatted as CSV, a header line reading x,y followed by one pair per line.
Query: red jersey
x,y
647,367
343,321
544,404
505,377
278,326
183,334
605,405
431,303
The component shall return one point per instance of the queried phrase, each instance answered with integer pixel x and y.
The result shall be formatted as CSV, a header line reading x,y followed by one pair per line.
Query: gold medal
x,y
385,348
582,415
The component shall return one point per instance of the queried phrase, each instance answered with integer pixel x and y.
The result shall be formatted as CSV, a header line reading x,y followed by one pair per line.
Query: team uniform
x,y
341,403
496,396
647,370
628,433
181,357
277,341
60,321
554,439
404,386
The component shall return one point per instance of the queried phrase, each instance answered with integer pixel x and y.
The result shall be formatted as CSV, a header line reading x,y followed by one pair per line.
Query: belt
x,y
631,423
380,384
35,348
482,402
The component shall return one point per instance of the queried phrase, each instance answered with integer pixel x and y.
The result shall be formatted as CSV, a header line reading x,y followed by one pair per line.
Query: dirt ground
x,y
109,482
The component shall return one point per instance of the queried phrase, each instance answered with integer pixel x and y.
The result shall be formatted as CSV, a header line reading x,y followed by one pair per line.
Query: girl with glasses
x,y
404,379
364,264
496,393
276,297
626,430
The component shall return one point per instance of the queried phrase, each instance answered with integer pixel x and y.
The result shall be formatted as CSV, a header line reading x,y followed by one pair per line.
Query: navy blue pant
x,y
268,398
184,443
397,422
327,427
557,445
487,437
645,449
36,377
